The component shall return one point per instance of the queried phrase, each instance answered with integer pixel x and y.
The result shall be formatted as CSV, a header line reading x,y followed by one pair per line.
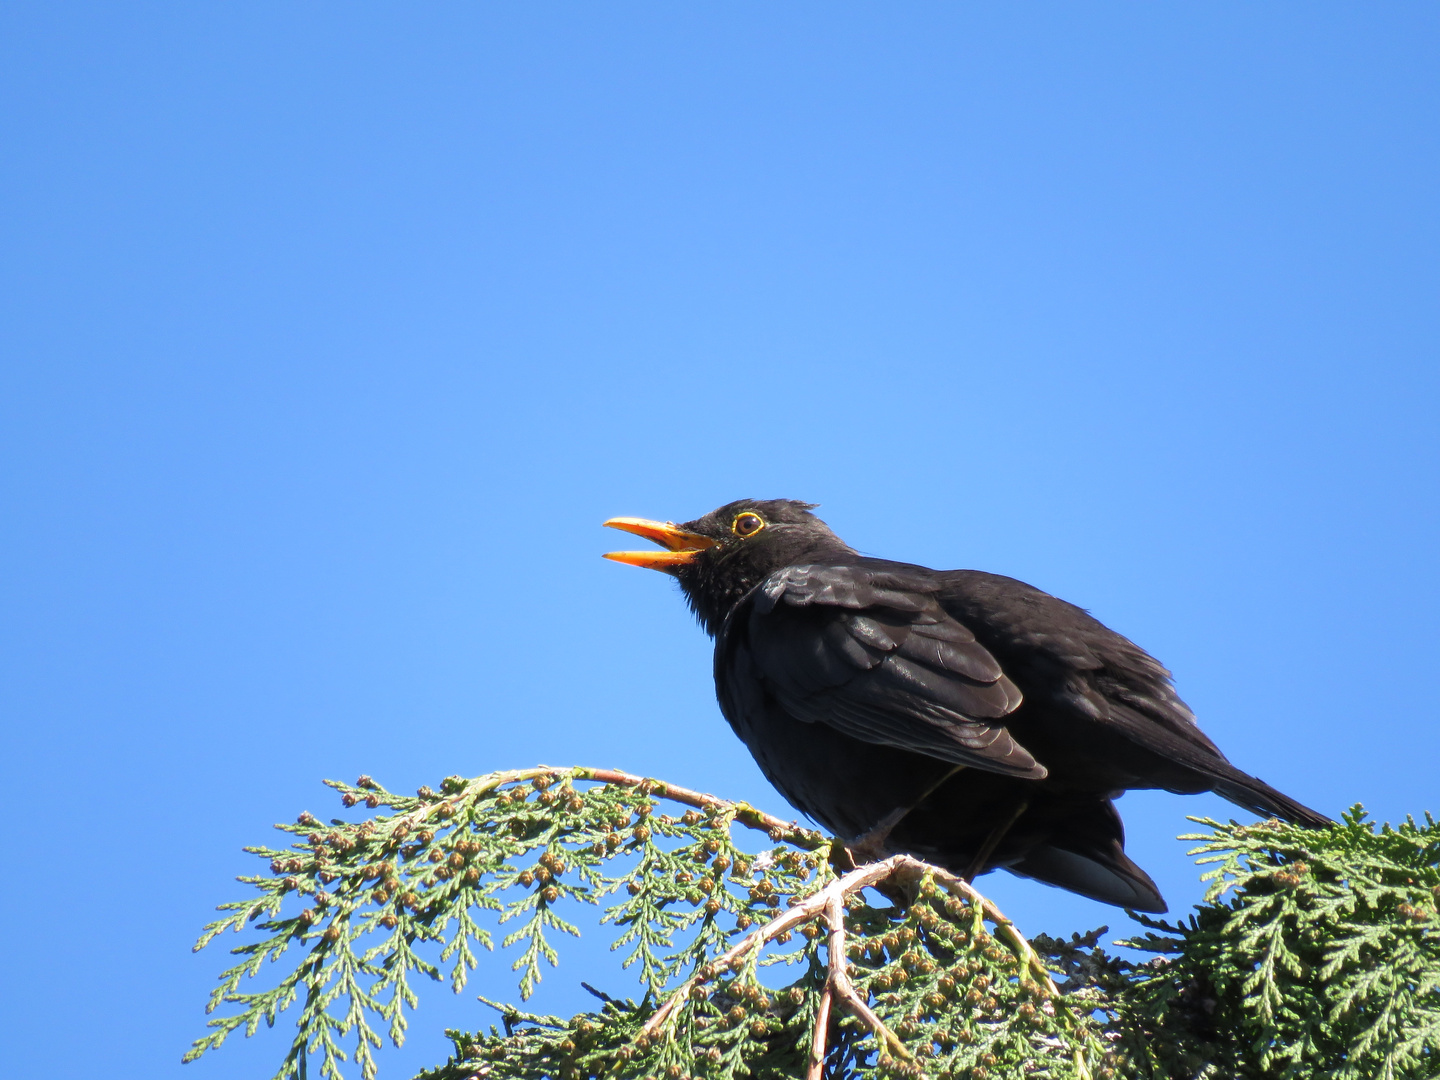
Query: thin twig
x,y
961,889
744,812
835,948
1005,930
470,790
805,911
829,903
816,1068
839,981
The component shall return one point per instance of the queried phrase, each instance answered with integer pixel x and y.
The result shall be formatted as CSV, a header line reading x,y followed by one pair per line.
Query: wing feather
x,y
871,653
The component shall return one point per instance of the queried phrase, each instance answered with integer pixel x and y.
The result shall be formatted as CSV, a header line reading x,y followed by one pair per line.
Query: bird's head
x,y
720,557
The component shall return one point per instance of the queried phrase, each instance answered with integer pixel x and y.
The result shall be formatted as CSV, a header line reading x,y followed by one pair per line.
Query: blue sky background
x,y
331,334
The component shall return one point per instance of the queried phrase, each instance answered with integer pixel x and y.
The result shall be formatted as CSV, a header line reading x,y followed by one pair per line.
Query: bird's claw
x,y
875,844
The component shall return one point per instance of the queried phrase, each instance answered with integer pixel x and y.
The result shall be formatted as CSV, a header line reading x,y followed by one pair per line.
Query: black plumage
x,y
964,717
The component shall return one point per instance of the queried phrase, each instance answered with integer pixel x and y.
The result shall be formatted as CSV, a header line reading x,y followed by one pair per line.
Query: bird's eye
x,y
748,524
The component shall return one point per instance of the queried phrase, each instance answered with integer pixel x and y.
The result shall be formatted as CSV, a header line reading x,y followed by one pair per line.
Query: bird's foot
x,y
875,844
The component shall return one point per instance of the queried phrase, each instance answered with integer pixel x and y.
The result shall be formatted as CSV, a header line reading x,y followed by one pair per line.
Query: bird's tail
x,y
1073,840
1254,794
1101,871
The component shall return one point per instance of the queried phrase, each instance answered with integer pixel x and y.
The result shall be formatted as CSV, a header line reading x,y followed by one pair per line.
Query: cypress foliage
x,y
763,952
1316,954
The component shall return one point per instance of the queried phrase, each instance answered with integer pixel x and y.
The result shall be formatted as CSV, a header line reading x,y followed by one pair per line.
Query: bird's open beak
x,y
683,546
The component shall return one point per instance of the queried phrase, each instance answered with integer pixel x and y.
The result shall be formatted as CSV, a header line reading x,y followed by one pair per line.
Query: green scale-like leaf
x,y
1315,954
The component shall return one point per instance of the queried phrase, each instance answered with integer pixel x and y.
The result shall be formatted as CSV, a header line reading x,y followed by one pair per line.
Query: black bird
x,y
962,717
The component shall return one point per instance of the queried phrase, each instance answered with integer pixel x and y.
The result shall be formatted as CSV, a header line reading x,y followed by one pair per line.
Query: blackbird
x,y
962,717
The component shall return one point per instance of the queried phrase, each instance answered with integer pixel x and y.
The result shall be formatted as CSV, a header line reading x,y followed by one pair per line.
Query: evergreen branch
x,y
420,874
1317,952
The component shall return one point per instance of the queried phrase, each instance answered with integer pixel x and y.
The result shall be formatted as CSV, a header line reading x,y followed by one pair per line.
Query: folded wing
x,y
870,652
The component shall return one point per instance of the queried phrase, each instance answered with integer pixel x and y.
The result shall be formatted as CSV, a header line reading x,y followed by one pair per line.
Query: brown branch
x,y
744,812
816,1068
1004,929
844,989
829,903
805,911
470,790
961,889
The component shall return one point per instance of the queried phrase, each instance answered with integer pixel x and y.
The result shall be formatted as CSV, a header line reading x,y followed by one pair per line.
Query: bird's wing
x,y
1098,673
870,652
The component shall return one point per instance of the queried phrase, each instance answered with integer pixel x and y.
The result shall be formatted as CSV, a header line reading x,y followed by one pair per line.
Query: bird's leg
x,y
977,864
874,845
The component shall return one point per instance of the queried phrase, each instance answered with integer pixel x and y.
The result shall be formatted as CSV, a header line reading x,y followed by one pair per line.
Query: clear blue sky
x,y
330,333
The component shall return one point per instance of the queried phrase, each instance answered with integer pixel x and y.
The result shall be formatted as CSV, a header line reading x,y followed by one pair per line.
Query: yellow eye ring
x,y
747,524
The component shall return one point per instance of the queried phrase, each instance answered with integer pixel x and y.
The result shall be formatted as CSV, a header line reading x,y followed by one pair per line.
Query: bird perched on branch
x,y
963,717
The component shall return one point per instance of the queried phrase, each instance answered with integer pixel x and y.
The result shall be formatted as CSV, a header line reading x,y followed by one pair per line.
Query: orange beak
x,y
683,546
